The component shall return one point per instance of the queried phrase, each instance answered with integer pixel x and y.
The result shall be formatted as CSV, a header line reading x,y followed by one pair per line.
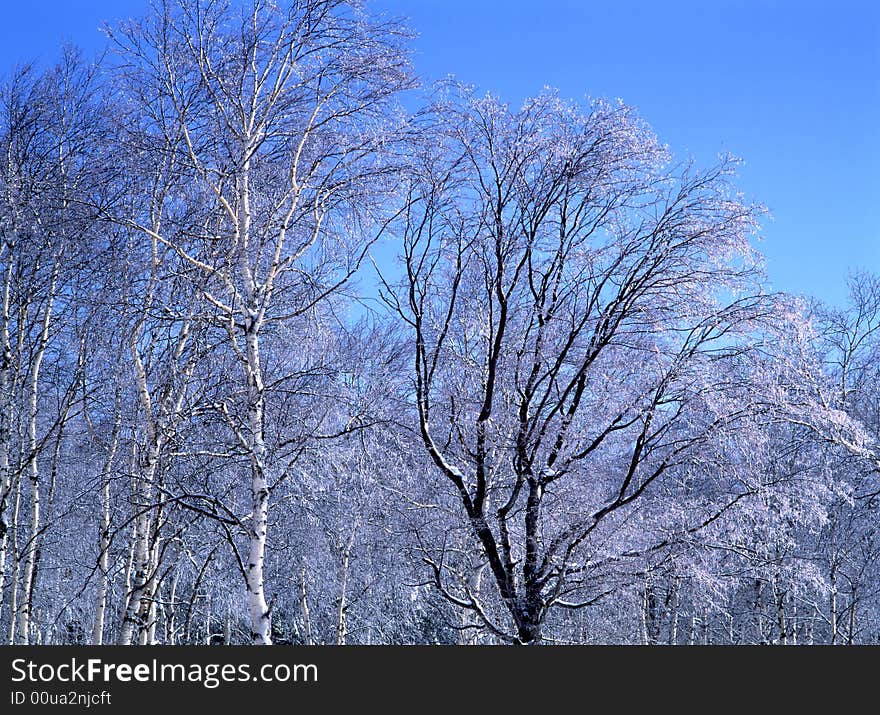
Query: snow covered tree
x,y
574,306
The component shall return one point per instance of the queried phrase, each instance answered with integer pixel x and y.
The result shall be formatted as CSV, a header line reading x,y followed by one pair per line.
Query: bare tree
x,y
572,306
277,115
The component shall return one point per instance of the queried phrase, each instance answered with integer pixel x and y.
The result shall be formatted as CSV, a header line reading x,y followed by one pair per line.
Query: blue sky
x,y
792,87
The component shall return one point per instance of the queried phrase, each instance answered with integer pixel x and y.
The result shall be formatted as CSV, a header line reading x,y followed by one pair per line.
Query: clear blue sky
x,y
793,87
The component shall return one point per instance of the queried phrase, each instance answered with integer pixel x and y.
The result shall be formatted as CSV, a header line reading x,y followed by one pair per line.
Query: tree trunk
x,y
137,609
6,411
304,607
832,606
104,535
851,632
675,605
103,567
342,606
33,468
258,609
16,568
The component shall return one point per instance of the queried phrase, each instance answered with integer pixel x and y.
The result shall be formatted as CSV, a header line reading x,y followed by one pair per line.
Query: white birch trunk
x,y
6,407
832,607
103,565
16,569
104,533
258,609
136,612
342,606
33,469
304,608
257,606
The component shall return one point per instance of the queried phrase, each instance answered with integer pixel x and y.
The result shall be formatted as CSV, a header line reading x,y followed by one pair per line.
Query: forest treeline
x,y
286,362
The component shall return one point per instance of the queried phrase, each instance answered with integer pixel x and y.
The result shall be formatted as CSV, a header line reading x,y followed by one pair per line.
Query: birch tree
x,y
280,113
49,159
